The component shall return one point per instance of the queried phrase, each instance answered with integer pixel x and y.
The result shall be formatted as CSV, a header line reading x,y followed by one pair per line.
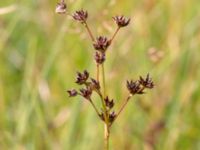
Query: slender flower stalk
x,y
114,35
98,85
95,108
89,31
97,72
123,106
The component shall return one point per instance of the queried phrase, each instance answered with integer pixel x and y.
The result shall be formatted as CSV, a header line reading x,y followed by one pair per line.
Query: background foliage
x,y
41,51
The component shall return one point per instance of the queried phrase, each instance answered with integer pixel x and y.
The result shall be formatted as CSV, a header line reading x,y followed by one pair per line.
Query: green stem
x,y
117,30
123,106
106,136
89,31
104,82
98,72
106,115
95,108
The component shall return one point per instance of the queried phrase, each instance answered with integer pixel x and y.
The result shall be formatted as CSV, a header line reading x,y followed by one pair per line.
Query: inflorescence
x,y
101,44
88,84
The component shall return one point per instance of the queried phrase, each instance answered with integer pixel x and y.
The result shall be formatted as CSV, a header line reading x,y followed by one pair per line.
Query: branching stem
x,y
123,106
95,108
125,103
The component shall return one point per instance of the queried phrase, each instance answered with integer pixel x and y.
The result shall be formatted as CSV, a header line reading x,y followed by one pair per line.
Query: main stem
x,y
98,72
106,115
106,135
104,81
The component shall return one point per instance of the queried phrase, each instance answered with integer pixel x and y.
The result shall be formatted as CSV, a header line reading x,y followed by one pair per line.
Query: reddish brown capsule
x,y
99,57
72,93
82,77
134,87
147,82
86,93
95,84
112,117
121,21
101,44
109,103
61,7
81,16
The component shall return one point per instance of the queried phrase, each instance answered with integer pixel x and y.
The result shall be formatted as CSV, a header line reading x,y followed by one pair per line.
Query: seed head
x,y
82,77
147,82
112,117
61,7
72,93
101,44
134,87
99,57
121,21
109,103
86,93
95,84
80,15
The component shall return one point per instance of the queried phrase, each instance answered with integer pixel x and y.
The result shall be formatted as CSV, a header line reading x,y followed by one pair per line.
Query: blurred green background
x,y
40,52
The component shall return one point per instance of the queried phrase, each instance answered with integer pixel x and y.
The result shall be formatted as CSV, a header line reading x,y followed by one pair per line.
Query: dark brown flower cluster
x,y
80,15
61,8
111,117
101,44
90,85
147,82
121,21
86,92
109,103
82,77
137,87
99,57
72,93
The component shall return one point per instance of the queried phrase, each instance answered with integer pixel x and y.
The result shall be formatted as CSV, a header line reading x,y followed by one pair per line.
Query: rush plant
x,y
90,85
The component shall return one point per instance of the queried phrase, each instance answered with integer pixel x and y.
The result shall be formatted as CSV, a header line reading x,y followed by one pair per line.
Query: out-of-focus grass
x,y
40,52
